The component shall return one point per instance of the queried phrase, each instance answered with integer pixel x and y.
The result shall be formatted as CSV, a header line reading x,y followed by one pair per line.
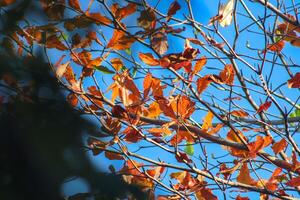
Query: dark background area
x,y
41,141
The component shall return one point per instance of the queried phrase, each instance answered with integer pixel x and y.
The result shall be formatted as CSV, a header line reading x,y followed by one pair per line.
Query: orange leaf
x,y
294,182
276,47
75,4
241,198
159,131
295,81
207,121
279,146
244,175
113,156
156,172
148,59
203,83
183,106
263,107
147,84
199,64
205,194
120,41
227,75
117,63
121,13
72,99
153,110
239,113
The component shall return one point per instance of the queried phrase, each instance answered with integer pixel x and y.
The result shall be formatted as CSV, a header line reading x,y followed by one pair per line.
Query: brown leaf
x,y
183,157
244,175
148,59
72,99
239,113
120,41
159,42
131,135
75,4
147,19
205,194
117,63
203,83
54,42
279,146
199,64
153,111
121,13
54,9
183,106
113,156
276,47
159,132
227,75
295,81
174,7
241,198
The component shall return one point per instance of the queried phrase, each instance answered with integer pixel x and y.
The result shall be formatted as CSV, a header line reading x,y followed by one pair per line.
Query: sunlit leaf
x,y
279,146
264,107
189,149
148,59
244,175
295,81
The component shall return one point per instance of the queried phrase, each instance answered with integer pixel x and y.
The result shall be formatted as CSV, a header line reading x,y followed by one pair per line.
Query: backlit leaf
x,y
189,149
294,182
148,59
279,146
244,175
174,7
264,107
104,69
295,81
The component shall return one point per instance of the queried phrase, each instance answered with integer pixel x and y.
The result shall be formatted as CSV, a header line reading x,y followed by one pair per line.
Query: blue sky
x,y
203,11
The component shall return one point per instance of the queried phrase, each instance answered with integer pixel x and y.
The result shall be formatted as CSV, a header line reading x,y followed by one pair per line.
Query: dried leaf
x,y
241,198
239,113
279,146
276,47
72,99
147,19
120,41
159,42
199,64
174,7
264,107
121,13
207,121
75,4
117,63
244,175
294,182
227,75
295,81
113,156
148,59
205,194
203,83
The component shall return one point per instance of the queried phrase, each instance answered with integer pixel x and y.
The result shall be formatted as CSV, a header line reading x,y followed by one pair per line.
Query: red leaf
x,y
6,2
263,107
241,198
295,81
294,182
181,157
131,135
72,99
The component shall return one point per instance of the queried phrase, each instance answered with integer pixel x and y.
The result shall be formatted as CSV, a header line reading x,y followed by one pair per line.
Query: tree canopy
x,y
191,99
